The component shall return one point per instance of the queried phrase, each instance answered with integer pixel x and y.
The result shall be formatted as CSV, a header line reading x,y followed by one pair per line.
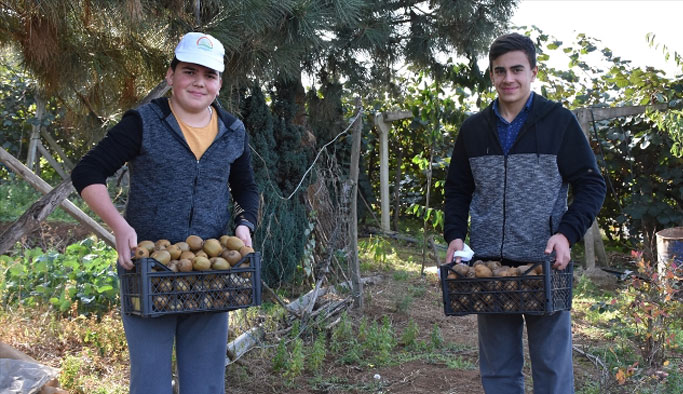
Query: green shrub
x,y
83,279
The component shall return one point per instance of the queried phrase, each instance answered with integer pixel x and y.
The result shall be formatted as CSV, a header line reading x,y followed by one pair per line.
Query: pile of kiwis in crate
x,y
196,254
491,269
509,288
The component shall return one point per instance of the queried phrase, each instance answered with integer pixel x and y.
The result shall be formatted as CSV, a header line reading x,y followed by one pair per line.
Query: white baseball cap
x,y
202,49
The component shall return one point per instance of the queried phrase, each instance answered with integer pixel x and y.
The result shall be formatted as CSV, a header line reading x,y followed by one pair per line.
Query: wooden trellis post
x,y
383,122
593,239
356,284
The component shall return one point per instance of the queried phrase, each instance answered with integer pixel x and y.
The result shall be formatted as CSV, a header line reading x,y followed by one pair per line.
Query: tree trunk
x,y
31,219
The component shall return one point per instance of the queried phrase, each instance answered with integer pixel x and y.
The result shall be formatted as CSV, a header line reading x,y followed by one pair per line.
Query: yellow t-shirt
x,y
199,138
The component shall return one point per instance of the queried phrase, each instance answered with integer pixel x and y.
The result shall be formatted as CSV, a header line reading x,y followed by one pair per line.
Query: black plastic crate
x,y
151,289
533,294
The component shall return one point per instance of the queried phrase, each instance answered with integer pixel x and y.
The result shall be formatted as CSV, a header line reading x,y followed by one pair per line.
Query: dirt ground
x,y
421,376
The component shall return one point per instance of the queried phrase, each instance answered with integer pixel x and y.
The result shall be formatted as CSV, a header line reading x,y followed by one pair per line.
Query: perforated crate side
x,y
532,294
165,292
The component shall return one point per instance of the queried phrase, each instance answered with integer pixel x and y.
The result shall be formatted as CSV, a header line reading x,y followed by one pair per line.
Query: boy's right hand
x,y
454,246
126,241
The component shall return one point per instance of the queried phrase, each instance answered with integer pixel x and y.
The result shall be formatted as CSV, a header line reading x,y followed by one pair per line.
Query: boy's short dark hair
x,y
174,63
512,42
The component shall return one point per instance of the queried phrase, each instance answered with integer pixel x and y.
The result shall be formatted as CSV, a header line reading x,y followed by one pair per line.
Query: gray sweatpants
x,y
501,353
201,345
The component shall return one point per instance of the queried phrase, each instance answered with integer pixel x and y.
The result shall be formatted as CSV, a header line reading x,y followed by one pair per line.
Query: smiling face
x,y
511,74
194,86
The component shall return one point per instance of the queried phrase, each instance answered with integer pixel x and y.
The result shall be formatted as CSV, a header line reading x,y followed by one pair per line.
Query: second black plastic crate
x,y
534,294
151,289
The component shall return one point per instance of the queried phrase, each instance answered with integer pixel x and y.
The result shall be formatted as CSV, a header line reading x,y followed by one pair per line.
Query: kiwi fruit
x,y
220,264
245,250
174,251
182,285
161,256
185,265
482,271
160,303
461,269
162,244
201,263
212,247
149,245
195,242
493,264
141,252
224,240
183,246
186,255
232,256
234,243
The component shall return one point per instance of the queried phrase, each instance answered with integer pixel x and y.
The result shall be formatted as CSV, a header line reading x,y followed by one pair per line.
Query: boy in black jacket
x,y
510,171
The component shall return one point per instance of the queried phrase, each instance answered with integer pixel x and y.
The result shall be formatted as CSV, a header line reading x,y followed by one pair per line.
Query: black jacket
x,y
516,202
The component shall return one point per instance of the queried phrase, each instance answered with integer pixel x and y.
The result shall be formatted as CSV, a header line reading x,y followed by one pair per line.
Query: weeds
x,y
648,317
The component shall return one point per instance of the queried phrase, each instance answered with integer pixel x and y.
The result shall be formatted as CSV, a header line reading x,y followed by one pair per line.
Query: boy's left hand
x,y
560,245
243,233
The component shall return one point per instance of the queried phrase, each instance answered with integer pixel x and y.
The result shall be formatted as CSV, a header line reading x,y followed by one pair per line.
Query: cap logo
x,y
204,43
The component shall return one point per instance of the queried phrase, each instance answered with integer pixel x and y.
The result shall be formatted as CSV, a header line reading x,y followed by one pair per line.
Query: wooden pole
x,y
356,284
43,187
60,152
383,124
383,128
32,157
51,160
31,219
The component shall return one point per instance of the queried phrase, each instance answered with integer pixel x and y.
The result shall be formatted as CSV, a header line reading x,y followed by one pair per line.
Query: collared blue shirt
x,y
508,131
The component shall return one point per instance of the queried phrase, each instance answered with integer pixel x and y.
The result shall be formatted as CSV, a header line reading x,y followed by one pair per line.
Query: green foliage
x,y
380,342
278,172
16,100
409,335
296,361
318,353
377,247
82,280
69,379
279,361
436,339
640,155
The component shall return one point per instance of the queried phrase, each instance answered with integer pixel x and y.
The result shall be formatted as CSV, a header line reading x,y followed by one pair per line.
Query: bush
x,y
82,280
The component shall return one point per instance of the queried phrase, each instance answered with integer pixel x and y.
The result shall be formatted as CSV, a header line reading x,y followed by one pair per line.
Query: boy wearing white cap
x,y
188,160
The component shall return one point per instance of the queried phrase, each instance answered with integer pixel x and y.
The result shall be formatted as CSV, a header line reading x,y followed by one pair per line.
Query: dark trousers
x,y
501,353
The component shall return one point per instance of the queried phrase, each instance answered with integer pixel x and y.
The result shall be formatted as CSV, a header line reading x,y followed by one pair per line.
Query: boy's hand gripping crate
x,y
526,293
151,289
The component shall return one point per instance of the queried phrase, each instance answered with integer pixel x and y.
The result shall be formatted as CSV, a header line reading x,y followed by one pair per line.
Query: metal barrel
x,y
669,247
